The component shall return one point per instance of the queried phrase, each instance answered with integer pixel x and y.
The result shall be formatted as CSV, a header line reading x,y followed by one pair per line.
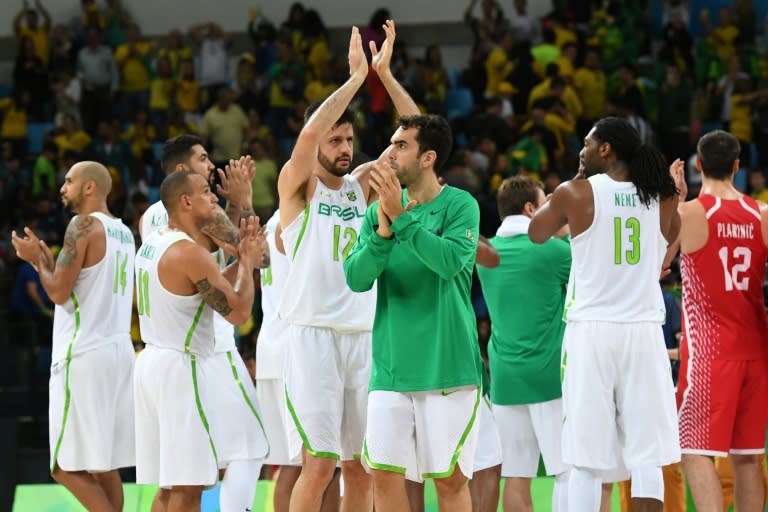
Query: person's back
x,y
98,312
617,390
723,292
723,384
613,258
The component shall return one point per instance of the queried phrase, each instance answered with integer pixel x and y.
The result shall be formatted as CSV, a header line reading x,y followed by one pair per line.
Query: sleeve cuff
x,y
379,244
402,224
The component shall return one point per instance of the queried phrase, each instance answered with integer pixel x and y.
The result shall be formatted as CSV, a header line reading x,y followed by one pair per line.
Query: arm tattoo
x,y
81,226
235,212
213,297
220,228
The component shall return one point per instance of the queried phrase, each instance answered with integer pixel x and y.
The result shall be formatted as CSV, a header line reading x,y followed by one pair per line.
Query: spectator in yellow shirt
x,y
498,64
723,38
132,59
160,93
556,85
32,29
187,97
566,60
741,116
589,82
176,51
757,185
13,129
71,137
140,136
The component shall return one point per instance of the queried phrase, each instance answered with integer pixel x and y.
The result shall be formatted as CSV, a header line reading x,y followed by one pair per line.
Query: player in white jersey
x,y
616,386
236,421
179,286
91,394
329,333
270,360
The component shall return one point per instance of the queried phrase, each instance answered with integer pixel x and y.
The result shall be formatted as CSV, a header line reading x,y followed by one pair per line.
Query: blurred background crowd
x,y
96,87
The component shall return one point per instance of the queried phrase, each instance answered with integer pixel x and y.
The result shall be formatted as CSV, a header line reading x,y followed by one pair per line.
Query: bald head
x,y
97,173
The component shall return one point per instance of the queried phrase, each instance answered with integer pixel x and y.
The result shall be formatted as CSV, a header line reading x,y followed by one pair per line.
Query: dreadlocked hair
x,y
648,169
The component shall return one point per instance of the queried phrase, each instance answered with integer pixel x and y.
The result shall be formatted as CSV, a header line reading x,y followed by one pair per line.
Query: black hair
x,y
346,117
552,70
718,150
434,135
173,186
178,150
648,169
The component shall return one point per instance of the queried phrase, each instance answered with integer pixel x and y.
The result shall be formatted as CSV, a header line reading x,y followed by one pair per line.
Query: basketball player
x,y
236,421
91,387
179,286
329,326
723,390
617,374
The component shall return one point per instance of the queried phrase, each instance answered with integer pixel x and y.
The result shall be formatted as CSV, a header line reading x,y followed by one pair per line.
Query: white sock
x,y
238,488
584,490
560,493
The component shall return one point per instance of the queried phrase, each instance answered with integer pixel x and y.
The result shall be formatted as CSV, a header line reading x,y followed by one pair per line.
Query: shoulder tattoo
x,y
80,226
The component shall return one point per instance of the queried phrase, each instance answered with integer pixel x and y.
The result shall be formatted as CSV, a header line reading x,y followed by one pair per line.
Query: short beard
x,y
331,167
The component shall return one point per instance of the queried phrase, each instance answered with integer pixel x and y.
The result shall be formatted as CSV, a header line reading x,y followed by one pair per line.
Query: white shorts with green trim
x,y
422,434
90,410
528,431
237,425
326,391
271,393
488,452
618,392
173,442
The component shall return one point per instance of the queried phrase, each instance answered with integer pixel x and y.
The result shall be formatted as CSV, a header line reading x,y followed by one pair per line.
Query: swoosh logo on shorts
x,y
446,393
435,212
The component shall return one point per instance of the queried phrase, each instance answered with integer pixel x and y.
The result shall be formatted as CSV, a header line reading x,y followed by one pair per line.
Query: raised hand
x,y
358,64
236,179
677,170
27,246
384,181
253,245
383,56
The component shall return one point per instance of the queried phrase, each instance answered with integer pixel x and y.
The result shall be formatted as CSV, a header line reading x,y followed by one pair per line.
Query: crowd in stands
x,y
98,88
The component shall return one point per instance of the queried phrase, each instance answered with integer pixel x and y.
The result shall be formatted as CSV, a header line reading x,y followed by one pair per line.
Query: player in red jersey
x,y
722,396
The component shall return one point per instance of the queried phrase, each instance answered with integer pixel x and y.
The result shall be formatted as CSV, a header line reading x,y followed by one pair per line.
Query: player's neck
x,y
188,227
723,189
618,171
426,189
329,180
88,208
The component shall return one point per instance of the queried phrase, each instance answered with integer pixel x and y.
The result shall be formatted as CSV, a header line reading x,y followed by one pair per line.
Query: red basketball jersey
x,y
723,306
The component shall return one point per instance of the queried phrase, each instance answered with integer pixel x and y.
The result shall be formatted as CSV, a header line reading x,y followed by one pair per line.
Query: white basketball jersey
x,y
167,320
156,217
98,311
270,346
317,242
617,260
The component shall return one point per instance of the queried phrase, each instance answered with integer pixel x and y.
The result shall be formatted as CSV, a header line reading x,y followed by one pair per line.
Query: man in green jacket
x,y
418,245
525,296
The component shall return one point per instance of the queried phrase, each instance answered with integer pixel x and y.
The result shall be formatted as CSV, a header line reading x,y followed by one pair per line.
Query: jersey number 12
x,y
734,278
